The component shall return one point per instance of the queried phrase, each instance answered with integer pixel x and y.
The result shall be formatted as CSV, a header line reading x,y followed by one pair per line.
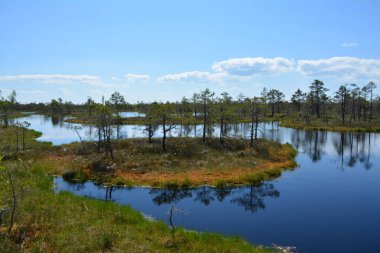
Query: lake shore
x,y
62,217
47,221
291,121
333,125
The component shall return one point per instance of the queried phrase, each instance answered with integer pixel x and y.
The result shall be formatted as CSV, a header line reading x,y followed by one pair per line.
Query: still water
x,y
331,203
131,114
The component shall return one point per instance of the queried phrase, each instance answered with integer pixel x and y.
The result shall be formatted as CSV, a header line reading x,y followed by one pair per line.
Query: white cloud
x,y
197,76
342,68
137,78
235,69
192,76
58,79
349,44
254,66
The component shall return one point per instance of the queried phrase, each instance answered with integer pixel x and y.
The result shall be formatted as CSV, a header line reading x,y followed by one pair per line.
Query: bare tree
x,y
77,129
165,115
342,96
370,87
24,126
14,190
103,122
206,98
225,113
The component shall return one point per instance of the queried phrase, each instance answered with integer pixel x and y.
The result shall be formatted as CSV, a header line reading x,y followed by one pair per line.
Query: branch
x,y
170,128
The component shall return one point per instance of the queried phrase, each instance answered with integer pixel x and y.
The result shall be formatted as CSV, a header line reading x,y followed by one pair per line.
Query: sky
x,y
164,50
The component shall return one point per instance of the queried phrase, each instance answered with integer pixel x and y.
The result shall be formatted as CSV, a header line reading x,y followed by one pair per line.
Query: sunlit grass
x,y
49,222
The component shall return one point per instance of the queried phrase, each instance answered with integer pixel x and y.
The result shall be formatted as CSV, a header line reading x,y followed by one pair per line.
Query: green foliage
x,y
2,169
117,101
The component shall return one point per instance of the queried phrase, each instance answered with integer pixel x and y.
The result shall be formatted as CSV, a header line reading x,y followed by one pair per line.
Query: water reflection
x,y
204,195
57,120
352,148
109,190
131,114
222,192
251,198
314,144
169,196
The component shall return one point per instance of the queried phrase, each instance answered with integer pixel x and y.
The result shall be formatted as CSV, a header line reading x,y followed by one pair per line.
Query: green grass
x,y
16,115
47,222
8,142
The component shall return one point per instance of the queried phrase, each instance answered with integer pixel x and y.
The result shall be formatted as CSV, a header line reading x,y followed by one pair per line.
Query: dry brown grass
x,y
187,163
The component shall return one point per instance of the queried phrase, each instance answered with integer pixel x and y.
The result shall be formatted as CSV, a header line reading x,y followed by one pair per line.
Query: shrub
x,y
69,175
99,166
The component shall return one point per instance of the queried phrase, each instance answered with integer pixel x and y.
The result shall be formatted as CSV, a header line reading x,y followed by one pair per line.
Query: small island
x,y
186,163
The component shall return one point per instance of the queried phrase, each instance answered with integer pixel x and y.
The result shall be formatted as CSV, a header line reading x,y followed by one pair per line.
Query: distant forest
x,y
350,103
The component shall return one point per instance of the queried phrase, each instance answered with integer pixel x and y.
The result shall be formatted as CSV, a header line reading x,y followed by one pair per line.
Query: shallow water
x,y
331,203
57,131
131,114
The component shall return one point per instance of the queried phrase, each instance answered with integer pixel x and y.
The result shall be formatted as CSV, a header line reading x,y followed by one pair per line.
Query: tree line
x,y
348,105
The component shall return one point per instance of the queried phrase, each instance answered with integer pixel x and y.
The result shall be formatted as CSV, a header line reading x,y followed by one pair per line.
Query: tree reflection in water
x,y
222,192
253,200
170,195
204,195
251,197
57,120
353,148
75,186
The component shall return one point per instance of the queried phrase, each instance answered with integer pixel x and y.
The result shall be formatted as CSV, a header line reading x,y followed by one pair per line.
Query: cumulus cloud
x,y
48,78
192,76
58,79
196,76
258,66
137,78
343,68
349,44
235,69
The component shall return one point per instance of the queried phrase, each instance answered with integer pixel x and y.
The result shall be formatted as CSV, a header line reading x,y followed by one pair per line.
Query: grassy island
x,y
187,162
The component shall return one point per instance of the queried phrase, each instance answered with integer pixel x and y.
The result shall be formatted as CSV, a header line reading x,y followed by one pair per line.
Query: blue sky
x,y
163,50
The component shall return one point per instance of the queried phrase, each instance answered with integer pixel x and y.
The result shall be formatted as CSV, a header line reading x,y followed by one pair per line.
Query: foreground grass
x,y
49,222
